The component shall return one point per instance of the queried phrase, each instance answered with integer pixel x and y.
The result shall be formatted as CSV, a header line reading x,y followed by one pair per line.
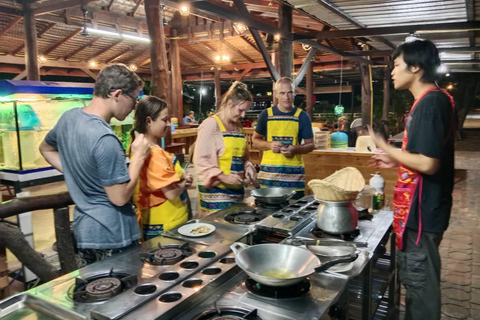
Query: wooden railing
x,y
255,154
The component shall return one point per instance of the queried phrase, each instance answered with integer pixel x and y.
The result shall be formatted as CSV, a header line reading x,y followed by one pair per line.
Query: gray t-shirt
x,y
93,157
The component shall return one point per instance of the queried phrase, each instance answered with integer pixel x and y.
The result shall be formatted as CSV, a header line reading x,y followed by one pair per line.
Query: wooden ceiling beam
x,y
110,5
10,25
401,29
250,43
234,49
137,56
188,59
110,47
56,5
118,56
197,53
144,62
59,43
137,5
39,35
85,46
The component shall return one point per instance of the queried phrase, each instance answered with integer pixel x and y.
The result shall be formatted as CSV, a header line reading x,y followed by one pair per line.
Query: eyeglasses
x,y
135,100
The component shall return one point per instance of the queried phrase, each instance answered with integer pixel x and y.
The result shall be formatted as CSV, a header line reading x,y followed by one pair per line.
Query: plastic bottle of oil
x,y
378,183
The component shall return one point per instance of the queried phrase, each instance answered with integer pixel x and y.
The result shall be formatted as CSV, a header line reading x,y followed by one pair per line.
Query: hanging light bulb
x,y
225,58
218,58
277,37
92,64
184,10
132,67
42,59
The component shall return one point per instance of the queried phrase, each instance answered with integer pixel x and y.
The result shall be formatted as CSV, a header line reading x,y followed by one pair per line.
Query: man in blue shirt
x,y
279,133
83,146
189,119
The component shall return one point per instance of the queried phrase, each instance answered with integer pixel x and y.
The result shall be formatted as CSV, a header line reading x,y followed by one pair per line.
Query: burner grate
x,y
101,287
246,217
227,313
271,206
293,291
167,255
349,236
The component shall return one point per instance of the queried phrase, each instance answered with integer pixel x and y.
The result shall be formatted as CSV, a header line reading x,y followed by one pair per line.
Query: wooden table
x,y
189,136
319,164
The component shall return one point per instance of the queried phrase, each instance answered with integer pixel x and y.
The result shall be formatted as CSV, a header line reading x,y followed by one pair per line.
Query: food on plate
x,y
200,230
278,274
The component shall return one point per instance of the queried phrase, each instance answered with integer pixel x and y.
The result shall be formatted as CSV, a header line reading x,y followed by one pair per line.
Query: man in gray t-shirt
x,y
83,146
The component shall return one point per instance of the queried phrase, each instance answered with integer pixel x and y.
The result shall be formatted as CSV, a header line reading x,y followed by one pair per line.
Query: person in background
x,y
83,146
221,157
161,193
423,193
189,119
279,132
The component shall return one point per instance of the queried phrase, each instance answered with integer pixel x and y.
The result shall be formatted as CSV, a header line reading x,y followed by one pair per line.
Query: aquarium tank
x,y
29,109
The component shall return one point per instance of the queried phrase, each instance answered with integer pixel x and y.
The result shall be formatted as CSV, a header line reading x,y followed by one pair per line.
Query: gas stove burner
x,y
295,205
166,255
302,202
101,287
288,210
349,236
293,291
227,313
270,206
245,217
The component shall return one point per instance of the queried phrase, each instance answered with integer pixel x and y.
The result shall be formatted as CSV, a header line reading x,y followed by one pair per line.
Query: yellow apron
x,y
222,196
276,170
168,215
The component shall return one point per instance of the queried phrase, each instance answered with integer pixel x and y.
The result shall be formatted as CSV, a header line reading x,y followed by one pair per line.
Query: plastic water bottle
x,y
378,183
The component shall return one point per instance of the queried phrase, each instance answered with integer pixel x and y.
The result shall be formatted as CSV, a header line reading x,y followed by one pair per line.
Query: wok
x,y
272,195
280,265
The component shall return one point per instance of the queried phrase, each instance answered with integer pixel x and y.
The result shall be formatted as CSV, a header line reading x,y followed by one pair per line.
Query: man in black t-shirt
x,y
423,193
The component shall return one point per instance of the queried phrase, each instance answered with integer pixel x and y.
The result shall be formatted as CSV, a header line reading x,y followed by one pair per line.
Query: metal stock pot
x,y
280,265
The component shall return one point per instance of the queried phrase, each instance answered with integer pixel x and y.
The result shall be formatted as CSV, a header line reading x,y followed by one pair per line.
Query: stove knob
x,y
337,313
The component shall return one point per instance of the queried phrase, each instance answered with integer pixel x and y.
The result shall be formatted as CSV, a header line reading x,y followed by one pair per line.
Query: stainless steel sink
x,y
26,306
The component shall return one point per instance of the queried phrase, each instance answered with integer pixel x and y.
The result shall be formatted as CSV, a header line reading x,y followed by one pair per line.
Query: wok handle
x,y
331,263
291,195
237,245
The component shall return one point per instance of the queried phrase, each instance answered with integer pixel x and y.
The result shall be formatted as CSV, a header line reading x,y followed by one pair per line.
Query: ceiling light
x,y
184,10
132,67
239,27
115,34
450,87
92,64
277,37
447,75
42,59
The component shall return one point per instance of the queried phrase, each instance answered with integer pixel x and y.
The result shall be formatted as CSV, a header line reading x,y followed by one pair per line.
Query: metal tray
x,y
26,306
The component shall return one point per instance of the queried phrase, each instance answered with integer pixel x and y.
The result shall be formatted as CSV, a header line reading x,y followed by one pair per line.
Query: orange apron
x,y
407,183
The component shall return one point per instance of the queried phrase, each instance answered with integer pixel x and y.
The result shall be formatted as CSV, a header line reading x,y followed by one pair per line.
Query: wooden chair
x,y
255,154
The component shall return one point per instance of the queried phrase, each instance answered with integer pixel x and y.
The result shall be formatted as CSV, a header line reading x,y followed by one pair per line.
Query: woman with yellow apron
x,y
160,196
221,157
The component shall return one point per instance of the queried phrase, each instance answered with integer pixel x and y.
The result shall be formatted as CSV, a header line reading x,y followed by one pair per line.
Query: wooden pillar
x,y
367,96
386,93
158,54
31,54
218,90
275,64
286,46
310,83
177,85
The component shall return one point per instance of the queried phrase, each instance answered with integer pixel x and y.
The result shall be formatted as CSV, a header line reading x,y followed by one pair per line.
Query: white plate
x,y
187,229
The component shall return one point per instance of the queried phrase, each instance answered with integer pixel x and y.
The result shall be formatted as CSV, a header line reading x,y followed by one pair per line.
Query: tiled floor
x,y
460,248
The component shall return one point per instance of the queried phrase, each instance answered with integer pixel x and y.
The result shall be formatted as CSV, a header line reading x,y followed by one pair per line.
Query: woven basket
x,y
343,185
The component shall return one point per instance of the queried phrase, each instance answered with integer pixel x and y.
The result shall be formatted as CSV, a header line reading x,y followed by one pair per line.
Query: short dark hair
x,y
114,77
422,54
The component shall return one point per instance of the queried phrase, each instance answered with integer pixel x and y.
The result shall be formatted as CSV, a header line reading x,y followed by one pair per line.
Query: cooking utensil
x,y
333,251
272,195
337,217
287,264
330,243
